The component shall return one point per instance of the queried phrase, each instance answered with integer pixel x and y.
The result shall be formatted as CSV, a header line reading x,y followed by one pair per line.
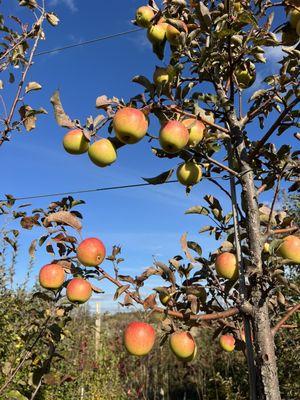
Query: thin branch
x,y
203,317
276,328
284,230
273,128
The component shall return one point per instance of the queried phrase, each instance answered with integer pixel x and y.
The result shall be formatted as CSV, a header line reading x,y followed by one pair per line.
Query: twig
x,y
276,328
273,128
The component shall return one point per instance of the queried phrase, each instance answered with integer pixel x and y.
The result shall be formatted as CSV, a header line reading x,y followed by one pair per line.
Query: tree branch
x,y
294,309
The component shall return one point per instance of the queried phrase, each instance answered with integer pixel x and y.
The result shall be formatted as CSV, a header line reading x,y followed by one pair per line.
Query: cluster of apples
x,y
139,339
159,32
291,32
130,126
90,253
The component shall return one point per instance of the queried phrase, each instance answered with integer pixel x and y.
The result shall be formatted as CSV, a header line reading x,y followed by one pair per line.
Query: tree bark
x,y
265,359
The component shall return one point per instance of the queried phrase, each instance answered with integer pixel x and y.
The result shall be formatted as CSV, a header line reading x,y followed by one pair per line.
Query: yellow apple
x,y
102,153
189,173
144,16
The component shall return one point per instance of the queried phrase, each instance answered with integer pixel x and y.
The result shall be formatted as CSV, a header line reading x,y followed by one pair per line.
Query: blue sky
x,y
146,222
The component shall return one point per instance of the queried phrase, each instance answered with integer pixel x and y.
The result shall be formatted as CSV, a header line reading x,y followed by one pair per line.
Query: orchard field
x,y
149,234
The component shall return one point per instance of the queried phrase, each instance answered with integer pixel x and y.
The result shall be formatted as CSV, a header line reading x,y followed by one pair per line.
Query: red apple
x,y
182,345
79,290
91,252
196,130
102,153
173,34
130,125
290,248
139,338
173,136
51,276
227,342
226,266
75,142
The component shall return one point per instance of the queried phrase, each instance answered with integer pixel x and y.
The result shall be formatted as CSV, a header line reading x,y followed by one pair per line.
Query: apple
x,y
51,276
102,153
143,16
157,33
227,342
289,36
290,248
173,34
130,125
196,130
245,75
163,76
91,252
173,137
79,290
266,248
294,16
75,142
189,173
139,338
182,345
226,266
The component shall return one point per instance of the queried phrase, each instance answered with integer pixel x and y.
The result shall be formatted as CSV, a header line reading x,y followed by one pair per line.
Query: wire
x,y
99,39
39,196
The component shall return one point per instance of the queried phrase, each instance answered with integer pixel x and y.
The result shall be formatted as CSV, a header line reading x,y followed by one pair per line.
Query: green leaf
x,y
159,179
197,210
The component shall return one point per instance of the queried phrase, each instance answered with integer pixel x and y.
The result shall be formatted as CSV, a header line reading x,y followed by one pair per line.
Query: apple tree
x,y
212,52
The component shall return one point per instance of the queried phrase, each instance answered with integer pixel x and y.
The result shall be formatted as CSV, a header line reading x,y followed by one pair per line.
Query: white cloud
x,y
68,3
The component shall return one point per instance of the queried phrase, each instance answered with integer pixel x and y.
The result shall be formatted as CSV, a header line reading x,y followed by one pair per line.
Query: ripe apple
x,y
189,173
51,276
173,137
157,33
75,142
182,345
290,248
139,338
289,36
79,290
173,34
91,252
102,153
130,125
226,266
245,75
227,342
196,130
144,16
294,16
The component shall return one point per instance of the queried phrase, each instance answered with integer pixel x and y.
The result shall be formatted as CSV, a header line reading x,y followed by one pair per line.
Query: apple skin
x,y
189,173
227,343
130,125
294,16
226,266
182,345
91,252
290,248
144,16
79,290
139,338
74,142
245,75
102,153
289,36
51,276
196,130
157,33
173,34
173,137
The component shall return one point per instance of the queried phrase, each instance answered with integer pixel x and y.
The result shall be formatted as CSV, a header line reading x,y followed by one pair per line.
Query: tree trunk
x,y
265,359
